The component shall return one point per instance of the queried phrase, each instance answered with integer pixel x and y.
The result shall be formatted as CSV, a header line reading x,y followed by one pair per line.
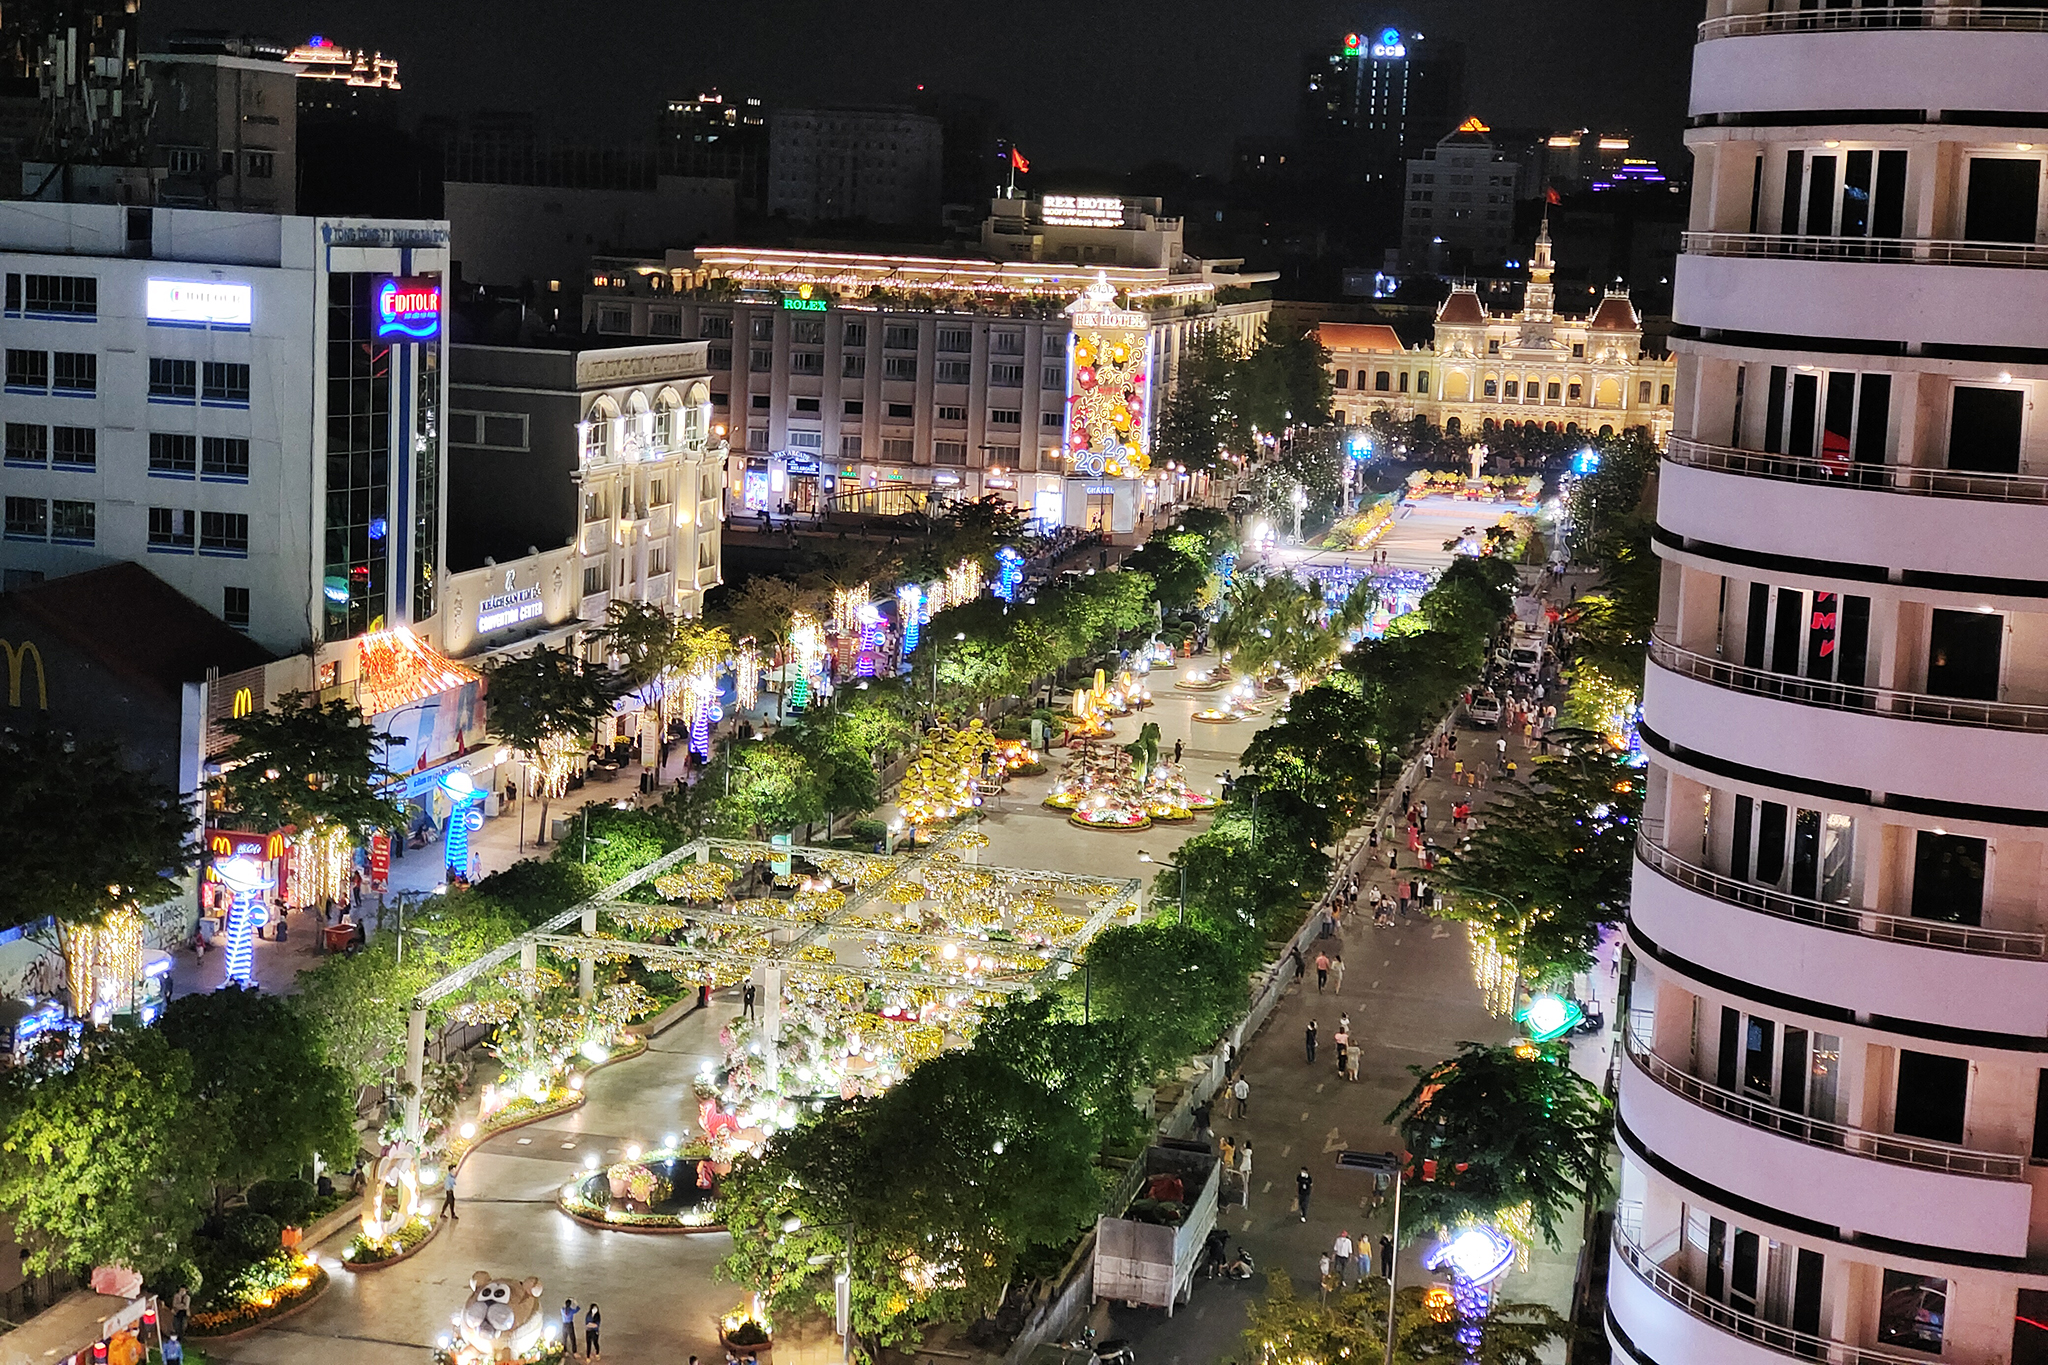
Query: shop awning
x,y
396,668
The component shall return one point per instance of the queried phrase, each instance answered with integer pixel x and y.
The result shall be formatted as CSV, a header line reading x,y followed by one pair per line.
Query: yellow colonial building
x,y
1484,372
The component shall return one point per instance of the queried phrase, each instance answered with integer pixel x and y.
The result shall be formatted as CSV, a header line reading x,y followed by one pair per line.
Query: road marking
x,y
1334,1142
1289,1147
526,1142
1441,931
1268,1187
1248,1222
568,1146
1320,1085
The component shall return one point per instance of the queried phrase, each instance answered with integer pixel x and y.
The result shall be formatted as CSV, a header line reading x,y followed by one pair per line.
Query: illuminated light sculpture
x,y
746,675
846,605
963,583
1009,572
700,693
1549,1017
806,650
463,803
1476,1256
1108,373
248,881
872,628
396,668
910,609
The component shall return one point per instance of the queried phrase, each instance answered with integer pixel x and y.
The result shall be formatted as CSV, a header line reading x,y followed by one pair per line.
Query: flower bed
x,y
663,1193
281,1283
363,1254
1110,819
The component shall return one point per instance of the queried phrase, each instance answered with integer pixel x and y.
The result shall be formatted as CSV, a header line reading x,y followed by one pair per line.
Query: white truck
x,y
1143,1261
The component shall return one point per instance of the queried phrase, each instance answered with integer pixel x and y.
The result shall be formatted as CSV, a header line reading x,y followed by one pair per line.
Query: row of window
x,y
1383,382
32,443
1001,374
72,297
63,521
76,373
904,412
171,455
899,450
811,332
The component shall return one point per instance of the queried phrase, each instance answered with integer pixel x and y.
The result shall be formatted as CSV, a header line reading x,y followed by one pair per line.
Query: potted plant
x,y
745,1332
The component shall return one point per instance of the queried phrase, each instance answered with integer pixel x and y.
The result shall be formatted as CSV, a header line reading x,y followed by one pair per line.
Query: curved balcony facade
x,y
1921,57
1842,957
1980,755
1990,527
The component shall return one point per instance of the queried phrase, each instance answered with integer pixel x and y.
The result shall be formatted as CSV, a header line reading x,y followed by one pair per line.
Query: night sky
x,y
1108,85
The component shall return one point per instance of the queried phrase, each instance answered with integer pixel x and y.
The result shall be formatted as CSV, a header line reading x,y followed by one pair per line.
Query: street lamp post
x,y
1181,868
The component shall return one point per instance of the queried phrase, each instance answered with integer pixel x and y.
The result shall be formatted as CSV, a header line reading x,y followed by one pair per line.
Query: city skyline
x,y
1109,108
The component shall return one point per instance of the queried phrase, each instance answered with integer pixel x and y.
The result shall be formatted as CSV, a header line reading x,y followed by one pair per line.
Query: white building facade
x,y
251,405
1833,1104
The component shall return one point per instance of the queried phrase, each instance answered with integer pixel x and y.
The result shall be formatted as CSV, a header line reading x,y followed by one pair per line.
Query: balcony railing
x,y
1847,919
1882,701
1754,1113
1785,1340
1874,250
1991,18
1876,478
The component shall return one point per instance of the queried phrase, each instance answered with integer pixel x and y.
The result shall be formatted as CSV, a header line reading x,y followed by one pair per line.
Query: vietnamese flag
x,y
1550,195
1017,161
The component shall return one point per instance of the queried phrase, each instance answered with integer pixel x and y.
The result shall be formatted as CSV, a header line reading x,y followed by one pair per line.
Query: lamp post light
x,y
1181,868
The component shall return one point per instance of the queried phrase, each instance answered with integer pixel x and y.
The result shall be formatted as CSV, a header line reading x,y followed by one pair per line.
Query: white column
x,y
586,984
415,1070
529,963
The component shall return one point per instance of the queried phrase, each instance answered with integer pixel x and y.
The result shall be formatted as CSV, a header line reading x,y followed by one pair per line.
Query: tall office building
x,y
881,166
1380,99
1833,1103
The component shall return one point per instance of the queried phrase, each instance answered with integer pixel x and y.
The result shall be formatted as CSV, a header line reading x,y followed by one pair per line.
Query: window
x,y
1910,1310
856,334
63,296
75,447
1005,417
949,452
899,337
1578,350
1006,343
1490,389
896,450
170,529
223,533
224,457
262,165
657,493
1050,419
807,362
1343,380
955,372
1054,344
1573,391
234,607
73,523
1422,381
1006,376
222,383
853,366
853,407
806,440
1513,388
1493,347
1404,381
1383,381
807,331
657,560
902,412
715,327
718,357
597,578
173,381
849,447
758,403
761,327
28,371
1643,392
173,456
78,372
1552,391
28,519
955,339
615,320
664,323
757,438
952,414
899,367
1052,377
760,360
1664,398
28,443
806,407
596,506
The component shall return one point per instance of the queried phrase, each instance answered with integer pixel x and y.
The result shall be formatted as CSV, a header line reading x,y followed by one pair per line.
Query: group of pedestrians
x,y
592,1320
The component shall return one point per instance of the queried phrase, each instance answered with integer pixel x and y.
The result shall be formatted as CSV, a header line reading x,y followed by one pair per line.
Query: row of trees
x,y
1227,394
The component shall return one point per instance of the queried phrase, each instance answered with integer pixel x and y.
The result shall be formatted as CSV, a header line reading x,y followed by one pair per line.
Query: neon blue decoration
x,y
463,802
1009,573
246,878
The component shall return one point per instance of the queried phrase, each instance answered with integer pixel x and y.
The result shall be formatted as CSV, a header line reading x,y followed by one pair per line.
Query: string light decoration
x,y
1009,572
963,583
806,648
846,605
939,784
1107,381
872,627
1494,970
700,693
101,962
746,674
910,609
396,668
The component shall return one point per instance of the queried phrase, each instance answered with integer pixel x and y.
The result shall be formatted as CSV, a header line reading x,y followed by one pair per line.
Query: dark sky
x,y
1102,84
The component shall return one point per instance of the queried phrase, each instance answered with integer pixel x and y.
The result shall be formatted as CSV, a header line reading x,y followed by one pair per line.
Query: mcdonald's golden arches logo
x,y
244,703
16,657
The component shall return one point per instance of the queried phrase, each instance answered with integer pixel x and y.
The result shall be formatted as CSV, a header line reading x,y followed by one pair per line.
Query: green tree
x,y
1317,748
758,789
1550,864
845,743
657,651
1176,987
1507,1128
1178,564
546,705
105,1161
1202,417
311,764
761,610
260,1072
86,835
1352,1326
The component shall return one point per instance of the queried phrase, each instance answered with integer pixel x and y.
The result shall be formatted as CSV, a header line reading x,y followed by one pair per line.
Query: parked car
x,y
1483,711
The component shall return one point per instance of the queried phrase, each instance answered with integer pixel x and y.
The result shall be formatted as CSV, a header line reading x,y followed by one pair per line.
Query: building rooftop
x,y
134,624
1616,314
1360,336
1462,309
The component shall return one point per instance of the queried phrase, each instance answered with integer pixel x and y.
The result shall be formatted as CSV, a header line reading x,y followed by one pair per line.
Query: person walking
x,y
181,1308
569,1310
448,1199
1322,973
1386,1254
1342,1038
1309,1040
1340,1255
1241,1092
1500,746
1428,766
1244,1174
1337,974
1176,753
1304,1184
747,1000
1226,1152
1324,1286
591,1321
1352,1074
